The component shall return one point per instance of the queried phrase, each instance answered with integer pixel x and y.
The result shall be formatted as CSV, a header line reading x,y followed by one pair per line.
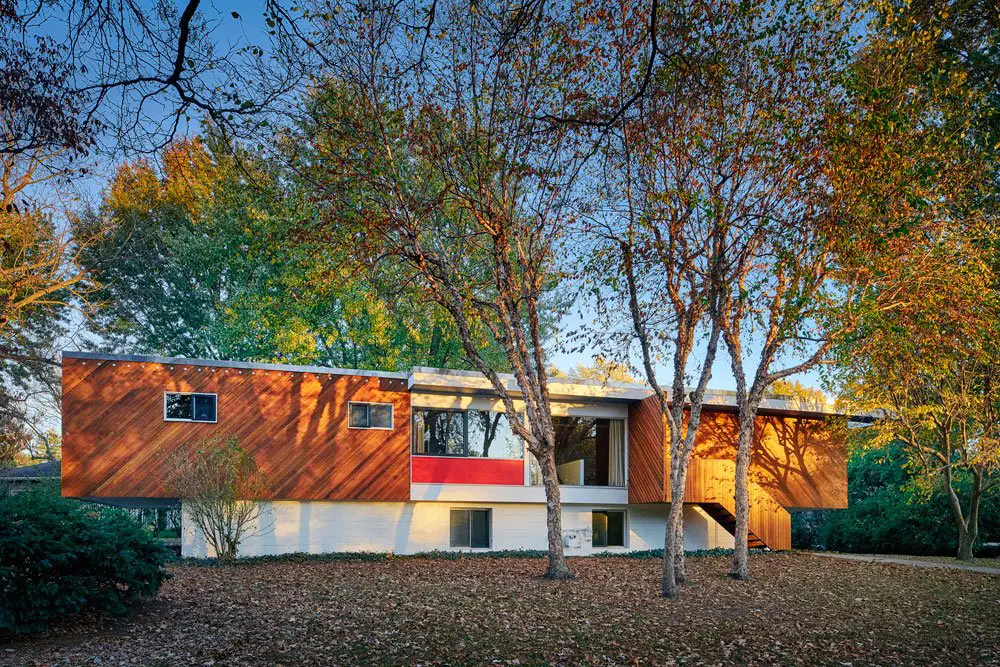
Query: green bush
x,y
887,514
384,556
59,557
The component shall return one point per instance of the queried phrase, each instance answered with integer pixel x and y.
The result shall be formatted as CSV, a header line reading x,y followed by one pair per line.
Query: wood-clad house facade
x,y
407,462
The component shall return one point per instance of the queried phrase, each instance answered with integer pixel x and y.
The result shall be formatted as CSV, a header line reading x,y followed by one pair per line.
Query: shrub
x,y
218,482
59,557
887,513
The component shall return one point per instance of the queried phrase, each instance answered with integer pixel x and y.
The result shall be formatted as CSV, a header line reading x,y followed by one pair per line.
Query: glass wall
x,y
590,451
476,433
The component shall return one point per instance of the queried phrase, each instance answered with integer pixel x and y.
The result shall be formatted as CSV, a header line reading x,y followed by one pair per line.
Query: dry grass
x,y
799,609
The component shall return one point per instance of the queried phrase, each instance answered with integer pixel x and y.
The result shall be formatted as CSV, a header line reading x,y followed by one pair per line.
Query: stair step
x,y
723,517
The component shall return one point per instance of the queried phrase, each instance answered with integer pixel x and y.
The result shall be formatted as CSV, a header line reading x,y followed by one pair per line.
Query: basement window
x,y
470,528
608,528
188,407
370,415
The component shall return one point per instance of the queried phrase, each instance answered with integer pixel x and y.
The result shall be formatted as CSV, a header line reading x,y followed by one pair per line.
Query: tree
x,y
134,74
709,180
923,355
41,283
435,137
219,485
776,73
890,508
603,370
928,371
655,234
204,260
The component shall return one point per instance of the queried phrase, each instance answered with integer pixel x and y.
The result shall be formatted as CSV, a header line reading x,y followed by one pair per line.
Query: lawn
x,y
799,609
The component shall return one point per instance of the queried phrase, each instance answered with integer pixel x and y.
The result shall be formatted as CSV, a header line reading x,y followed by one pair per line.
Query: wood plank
x,y
647,450
116,443
712,481
800,461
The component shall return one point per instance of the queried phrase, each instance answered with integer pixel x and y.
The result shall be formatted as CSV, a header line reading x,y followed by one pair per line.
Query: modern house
x,y
425,460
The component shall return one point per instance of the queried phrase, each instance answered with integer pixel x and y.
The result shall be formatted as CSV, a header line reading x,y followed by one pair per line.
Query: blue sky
x,y
234,33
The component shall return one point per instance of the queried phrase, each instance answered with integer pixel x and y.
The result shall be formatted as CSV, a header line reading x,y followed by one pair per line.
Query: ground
x,y
798,609
950,560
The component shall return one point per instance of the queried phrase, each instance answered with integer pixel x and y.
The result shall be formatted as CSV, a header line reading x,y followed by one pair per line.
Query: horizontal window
x,y
184,407
608,528
470,528
370,415
475,433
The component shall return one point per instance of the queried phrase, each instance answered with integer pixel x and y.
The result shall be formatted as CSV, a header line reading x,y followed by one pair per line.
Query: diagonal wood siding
x,y
116,443
799,461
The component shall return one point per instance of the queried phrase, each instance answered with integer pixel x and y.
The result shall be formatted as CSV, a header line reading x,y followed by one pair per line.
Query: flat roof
x,y
473,382
451,381
461,381
244,365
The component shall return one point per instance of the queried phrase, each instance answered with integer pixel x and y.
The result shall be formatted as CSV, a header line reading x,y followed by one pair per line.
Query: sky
x,y
722,374
231,32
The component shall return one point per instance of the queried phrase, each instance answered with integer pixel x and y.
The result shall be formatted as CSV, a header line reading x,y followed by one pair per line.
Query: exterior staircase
x,y
710,485
727,519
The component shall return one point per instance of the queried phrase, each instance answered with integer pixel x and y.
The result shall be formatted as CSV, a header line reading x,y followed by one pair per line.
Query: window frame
x,y
392,416
214,396
606,512
465,431
465,435
471,510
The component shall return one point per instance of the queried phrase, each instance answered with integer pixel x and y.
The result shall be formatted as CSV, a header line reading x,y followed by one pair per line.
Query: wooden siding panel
x,y
116,443
647,451
712,481
801,462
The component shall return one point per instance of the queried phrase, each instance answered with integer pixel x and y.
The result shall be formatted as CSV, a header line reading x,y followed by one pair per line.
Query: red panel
x,y
455,470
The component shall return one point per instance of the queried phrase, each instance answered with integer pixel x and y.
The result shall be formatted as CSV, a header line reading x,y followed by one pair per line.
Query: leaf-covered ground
x,y
950,560
799,609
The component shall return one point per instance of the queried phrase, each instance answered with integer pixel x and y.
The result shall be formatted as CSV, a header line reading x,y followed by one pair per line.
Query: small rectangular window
x,y
189,407
370,415
470,528
608,528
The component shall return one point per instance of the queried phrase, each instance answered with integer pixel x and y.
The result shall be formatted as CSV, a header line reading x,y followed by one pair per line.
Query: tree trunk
x,y
673,547
673,542
968,530
741,552
965,541
967,524
558,567
680,567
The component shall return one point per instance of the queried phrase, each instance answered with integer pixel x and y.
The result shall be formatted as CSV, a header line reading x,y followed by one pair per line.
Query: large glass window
x,y
608,528
470,528
590,451
189,407
465,433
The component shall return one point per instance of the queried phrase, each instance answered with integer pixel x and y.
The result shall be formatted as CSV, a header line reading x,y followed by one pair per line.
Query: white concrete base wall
x,y
407,528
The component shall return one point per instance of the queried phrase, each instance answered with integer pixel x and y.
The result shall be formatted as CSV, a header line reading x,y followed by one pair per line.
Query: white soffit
x,y
470,382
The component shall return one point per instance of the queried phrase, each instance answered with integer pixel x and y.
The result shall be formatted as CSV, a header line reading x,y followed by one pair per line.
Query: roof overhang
x,y
243,365
442,380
